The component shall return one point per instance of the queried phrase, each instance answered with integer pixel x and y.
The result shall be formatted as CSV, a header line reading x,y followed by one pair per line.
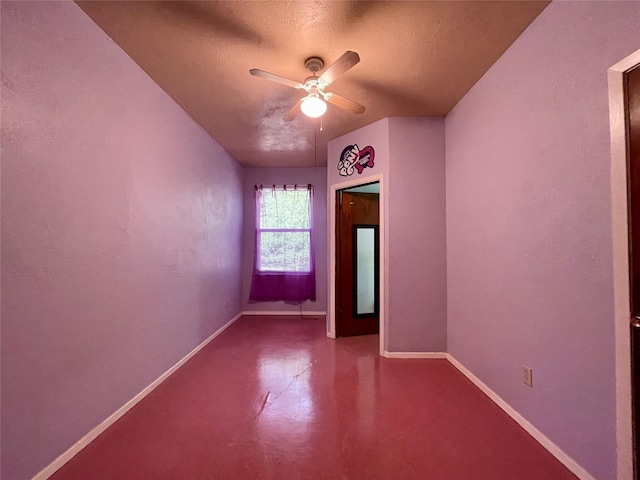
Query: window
x,y
284,229
284,267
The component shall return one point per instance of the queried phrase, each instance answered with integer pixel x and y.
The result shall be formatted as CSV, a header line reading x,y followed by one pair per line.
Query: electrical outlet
x,y
527,375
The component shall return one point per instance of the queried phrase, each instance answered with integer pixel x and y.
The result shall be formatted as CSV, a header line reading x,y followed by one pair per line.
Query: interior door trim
x,y
383,293
620,232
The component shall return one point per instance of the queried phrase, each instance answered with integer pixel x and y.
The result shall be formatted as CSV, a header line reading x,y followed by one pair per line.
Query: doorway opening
x,y
357,260
622,199
357,288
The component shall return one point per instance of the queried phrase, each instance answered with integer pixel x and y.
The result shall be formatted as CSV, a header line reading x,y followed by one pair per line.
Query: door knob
x,y
635,321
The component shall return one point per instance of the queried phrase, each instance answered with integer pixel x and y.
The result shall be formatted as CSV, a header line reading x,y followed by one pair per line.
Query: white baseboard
x,y
331,335
287,312
414,355
54,466
556,451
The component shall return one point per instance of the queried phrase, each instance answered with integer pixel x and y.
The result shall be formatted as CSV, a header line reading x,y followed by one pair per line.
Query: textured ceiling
x,y
417,59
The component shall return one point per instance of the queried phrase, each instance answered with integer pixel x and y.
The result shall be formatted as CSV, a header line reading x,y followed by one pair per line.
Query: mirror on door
x,y
365,268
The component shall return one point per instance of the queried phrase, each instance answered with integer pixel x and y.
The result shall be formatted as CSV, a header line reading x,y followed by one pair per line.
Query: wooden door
x,y
357,264
633,109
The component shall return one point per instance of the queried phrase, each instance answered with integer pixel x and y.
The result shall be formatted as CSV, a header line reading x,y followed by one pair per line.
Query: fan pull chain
x,y
321,123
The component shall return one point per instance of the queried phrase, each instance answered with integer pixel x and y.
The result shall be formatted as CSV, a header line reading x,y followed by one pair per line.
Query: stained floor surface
x,y
273,398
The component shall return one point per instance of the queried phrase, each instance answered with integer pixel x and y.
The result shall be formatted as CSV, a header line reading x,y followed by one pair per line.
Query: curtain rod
x,y
284,187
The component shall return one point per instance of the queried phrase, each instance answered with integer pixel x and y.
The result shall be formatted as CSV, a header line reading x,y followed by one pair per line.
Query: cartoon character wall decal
x,y
352,159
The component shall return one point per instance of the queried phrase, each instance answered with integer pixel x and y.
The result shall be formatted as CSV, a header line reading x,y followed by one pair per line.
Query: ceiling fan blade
x,y
256,72
345,104
293,113
337,68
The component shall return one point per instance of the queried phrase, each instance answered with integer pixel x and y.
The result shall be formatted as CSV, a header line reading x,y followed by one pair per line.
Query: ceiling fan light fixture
x,y
313,106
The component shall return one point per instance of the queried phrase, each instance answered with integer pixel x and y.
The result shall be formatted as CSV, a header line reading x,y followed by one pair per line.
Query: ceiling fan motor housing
x,y
314,64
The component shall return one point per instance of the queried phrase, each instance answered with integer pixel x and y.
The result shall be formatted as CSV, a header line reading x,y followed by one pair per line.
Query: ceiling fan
x,y
313,104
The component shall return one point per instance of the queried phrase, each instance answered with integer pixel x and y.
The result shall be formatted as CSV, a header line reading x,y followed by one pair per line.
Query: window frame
x,y
269,189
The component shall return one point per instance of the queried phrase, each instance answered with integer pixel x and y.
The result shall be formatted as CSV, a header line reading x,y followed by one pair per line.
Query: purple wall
x,y
377,136
410,154
529,226
121,226
417,236
278,176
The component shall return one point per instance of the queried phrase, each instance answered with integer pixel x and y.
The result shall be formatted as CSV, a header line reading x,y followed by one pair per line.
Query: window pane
x,y
282,209
285,252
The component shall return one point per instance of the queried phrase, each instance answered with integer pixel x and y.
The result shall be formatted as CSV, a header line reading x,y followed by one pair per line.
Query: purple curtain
x,y
284,256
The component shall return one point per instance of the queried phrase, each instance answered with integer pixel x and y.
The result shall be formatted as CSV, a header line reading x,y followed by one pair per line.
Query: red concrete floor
x,y
273,398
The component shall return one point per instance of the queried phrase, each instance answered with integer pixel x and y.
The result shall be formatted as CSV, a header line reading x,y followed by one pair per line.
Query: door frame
x,y
621,284
331,320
